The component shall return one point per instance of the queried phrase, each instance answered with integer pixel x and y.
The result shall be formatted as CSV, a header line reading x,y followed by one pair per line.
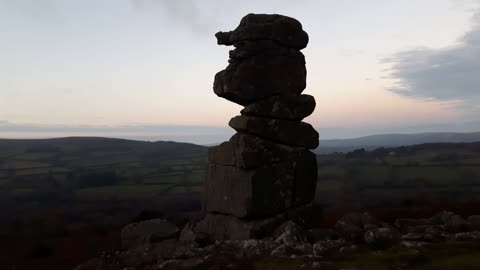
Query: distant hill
x,y
79,170
30,168
76,193
170,149
90,144
392,140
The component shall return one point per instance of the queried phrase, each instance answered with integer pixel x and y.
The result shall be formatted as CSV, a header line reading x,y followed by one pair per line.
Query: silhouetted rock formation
x,y
264,172
266,60
288,107
284,30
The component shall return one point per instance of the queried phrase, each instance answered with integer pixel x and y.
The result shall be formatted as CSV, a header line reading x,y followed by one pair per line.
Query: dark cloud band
x,y
448,74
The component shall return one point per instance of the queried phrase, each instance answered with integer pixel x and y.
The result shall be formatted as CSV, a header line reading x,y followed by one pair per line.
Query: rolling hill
x,y
393,140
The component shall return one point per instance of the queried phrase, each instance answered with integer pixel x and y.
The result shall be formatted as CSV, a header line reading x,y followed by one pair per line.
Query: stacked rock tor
x,y
266,169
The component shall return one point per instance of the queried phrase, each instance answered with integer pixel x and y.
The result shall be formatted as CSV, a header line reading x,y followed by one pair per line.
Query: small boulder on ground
x,y
322,248
474,222
353,226
382,238
445,221
290,233
451,222
292,240
404,224
320,234
146,232
467,236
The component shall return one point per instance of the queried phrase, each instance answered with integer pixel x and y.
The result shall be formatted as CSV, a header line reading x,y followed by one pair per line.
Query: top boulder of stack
x,y
284,30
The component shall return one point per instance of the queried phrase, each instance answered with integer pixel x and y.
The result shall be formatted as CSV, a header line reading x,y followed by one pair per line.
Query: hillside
x,y
59,193
65,193
400,176
56,167
393,140
78,144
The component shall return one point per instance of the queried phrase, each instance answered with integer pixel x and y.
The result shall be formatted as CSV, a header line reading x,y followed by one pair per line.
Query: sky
x,y
144,68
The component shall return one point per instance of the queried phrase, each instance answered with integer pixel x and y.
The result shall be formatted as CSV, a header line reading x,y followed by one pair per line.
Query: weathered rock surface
x,y
283,131
227,227
285,239
320,234
467,236
290,233
305,179
251,152
255,193
288,107
353,226
382,238
260,77
292,240
413,236
452,222
282,29
474,222
266,169
259,193
248,48
443,221
263,191
147,232
325,247
188,235
405,223
181,264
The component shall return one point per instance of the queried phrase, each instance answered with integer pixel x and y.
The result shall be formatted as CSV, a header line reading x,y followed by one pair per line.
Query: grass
x,y
168,179
424,172
195,177
20,193
329,185
472,161
34,156
331,172
369,175
434,176
118,192
144,173
41,171
22,164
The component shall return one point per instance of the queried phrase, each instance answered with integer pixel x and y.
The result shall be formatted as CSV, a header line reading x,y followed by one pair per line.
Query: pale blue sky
x,y
123,62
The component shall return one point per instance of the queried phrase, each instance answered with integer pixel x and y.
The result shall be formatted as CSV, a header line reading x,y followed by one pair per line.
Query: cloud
x,y
133,128
465,4
207,17
447,74
44,10
185,13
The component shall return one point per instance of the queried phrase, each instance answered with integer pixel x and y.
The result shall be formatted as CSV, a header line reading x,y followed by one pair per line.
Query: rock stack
x,y
266,169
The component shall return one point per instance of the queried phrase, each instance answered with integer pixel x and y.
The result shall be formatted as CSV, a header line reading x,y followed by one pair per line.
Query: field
x,y
65,194
400,176
99,169
60,193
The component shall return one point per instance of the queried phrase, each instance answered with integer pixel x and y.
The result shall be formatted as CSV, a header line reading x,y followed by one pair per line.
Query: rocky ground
x,y
358,241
